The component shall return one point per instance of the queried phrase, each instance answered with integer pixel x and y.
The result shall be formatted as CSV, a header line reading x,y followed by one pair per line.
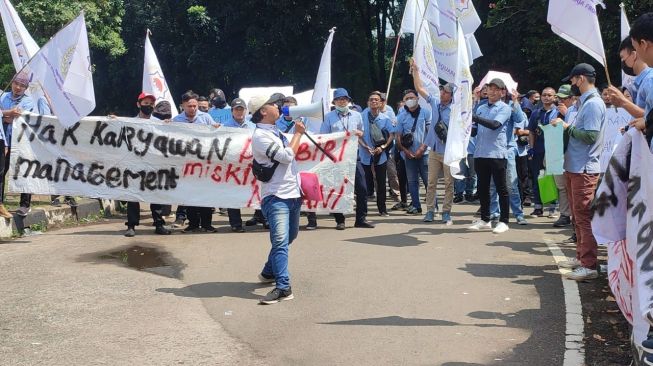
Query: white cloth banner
x,y
323,80
22,46
626,80
168,163
576,21
154,82
63,67
460,122
615,120
623,221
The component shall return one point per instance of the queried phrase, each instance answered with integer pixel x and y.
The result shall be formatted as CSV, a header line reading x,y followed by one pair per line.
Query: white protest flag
x,y
423,56
22,46
411,19
154,82
322,90
626,80
470,21
63,68
460,122
576,21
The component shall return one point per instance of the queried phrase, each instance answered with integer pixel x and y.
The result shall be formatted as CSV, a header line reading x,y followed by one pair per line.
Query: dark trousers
x,y
25,198
360,194
199,216
380,173
181,213
235,220
403,179
535,164
524,181
134,214
494,169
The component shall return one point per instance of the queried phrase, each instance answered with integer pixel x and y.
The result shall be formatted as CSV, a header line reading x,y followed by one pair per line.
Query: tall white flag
x,y
63,68
423,56
577,22
22,46
154,82
460,122
626,80
323,81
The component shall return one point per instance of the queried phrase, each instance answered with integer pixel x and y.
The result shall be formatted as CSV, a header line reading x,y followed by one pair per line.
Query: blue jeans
x,y
416,168
467,185
283,217
513,189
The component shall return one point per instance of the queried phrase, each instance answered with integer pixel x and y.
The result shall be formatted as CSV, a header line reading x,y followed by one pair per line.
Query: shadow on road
x,y
396,321
243,290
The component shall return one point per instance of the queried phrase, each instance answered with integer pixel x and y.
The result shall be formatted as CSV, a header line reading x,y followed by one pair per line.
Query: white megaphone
x,y
314,110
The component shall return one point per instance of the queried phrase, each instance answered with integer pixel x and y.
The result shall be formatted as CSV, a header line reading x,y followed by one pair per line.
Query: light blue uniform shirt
x,y
24,103
391,113
492,144
642,92
336,122
385,124
579,157
201,118
231,122
517,120
405,126
220,115
439,111
42,106
283,125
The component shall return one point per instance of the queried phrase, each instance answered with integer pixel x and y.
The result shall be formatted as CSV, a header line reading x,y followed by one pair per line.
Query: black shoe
x,y
538,212
251,222
210,229
312,225
266,225
277,295
527,202
56,202
469,197
570,240
340,226
400,206
458,199
238,229
563,221
130,233
160,230
191,229
364,224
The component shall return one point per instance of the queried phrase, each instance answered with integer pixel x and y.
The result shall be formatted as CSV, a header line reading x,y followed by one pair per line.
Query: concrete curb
x,y
51,217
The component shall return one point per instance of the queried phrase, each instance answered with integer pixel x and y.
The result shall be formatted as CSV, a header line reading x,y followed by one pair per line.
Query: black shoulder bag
x,y
408,138
441,129
376,134
265,173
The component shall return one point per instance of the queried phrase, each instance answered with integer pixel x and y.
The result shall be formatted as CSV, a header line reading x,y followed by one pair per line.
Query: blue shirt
x,y
517,120
283,125
201,118
384,123
439,111
231,122
541,117
336,122
390,113
220,115
43,107
579,157
24,103
405,123
491,143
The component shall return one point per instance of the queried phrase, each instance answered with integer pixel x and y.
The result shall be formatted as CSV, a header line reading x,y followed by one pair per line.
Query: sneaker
x,y
263,278
384,214
266,225
647,345
364,224
56,202
238,229
458,199
191,229
570,240
178,223
340,226
538,212
480,225
312,225
563,221
4,212
501,228
251,222
160,230
22,211
571,263
649,360
130,233
429,216
446,218
470,198
582,273
276,296
413,210
527,202
521,220
210,229
400,206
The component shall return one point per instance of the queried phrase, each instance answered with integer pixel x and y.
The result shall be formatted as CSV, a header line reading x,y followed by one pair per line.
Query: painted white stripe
x,y
574,334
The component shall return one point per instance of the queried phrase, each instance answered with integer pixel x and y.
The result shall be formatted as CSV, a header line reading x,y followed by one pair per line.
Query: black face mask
x,y
162,116
627,69
146,109
575,90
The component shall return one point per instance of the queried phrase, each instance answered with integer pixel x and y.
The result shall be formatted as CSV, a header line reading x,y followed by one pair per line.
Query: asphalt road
x,y
405,293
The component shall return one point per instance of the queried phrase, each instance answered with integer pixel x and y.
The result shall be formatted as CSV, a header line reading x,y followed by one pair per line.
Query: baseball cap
x,y
564,91
580,69
448,87
238,103
144,95
498,83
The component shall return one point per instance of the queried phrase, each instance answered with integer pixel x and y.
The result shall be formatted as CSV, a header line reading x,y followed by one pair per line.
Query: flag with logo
x,y
154,82
577,22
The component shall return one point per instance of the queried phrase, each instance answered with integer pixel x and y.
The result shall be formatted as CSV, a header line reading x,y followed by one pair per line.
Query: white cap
x,y
256,102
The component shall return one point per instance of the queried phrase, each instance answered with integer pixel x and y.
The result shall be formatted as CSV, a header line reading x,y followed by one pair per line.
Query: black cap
x,y
163,107
238,103
498,82
276,98
581,69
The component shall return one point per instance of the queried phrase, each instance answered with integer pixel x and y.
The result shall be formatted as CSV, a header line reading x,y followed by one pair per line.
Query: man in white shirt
x,y
280,192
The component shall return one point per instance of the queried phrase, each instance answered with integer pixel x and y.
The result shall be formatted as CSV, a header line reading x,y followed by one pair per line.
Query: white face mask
x,y
411,103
